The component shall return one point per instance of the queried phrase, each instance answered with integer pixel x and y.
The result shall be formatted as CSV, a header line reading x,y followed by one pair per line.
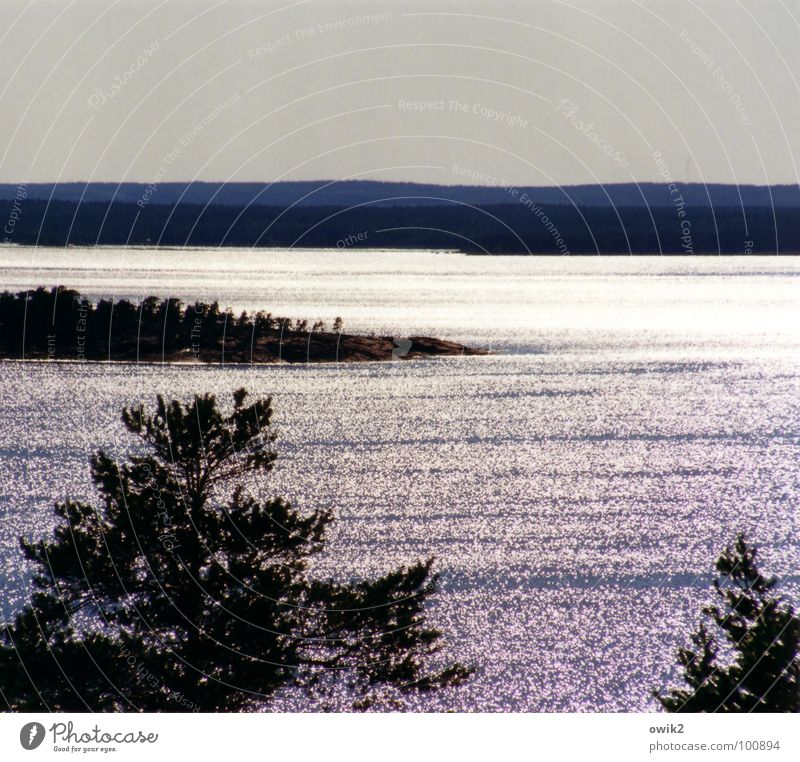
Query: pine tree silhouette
x,y
180,591
761,671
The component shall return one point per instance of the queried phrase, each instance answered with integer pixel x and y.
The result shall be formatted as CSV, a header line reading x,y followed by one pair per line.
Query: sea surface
x,y
575,486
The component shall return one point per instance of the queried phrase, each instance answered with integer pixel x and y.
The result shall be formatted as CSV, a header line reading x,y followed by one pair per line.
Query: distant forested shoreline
x,y
521,227
60,324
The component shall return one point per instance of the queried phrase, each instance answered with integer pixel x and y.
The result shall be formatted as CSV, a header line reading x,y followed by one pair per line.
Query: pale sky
x,y
534,93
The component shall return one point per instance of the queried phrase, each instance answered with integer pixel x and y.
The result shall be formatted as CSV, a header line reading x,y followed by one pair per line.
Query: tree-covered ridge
x,y
519,226
181,589
60,324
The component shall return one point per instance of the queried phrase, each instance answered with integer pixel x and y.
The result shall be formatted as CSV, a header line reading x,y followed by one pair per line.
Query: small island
x,y
60,324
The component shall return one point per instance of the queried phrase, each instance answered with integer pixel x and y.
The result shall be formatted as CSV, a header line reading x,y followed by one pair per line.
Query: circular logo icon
x,y
31,735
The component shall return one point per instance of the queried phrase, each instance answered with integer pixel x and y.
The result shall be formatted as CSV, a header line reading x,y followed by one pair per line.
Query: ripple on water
x,y
574,505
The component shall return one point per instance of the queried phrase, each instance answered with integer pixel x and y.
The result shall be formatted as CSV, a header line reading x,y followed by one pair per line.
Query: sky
x,y
485,92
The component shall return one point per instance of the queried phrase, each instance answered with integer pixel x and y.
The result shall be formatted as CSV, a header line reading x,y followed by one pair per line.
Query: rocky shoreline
x,y
320,348
60,325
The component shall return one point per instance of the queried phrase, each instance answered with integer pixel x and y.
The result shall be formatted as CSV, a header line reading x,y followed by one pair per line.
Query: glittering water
x,y
575,489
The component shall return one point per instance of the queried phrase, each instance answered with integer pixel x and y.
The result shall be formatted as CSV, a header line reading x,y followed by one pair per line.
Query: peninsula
x,y
60,324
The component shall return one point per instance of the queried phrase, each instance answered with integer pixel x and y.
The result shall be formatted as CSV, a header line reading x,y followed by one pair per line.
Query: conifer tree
x,y
745,655
182,591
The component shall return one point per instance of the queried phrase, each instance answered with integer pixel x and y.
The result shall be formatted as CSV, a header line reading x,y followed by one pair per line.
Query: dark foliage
x,y
761,639
59,324
181,591
497,228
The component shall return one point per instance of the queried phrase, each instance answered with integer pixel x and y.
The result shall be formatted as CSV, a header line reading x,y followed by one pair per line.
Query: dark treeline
x,y
515,228
60,324
388,193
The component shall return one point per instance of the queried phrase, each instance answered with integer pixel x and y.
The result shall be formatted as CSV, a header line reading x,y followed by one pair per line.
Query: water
x,y
575,488
523,304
